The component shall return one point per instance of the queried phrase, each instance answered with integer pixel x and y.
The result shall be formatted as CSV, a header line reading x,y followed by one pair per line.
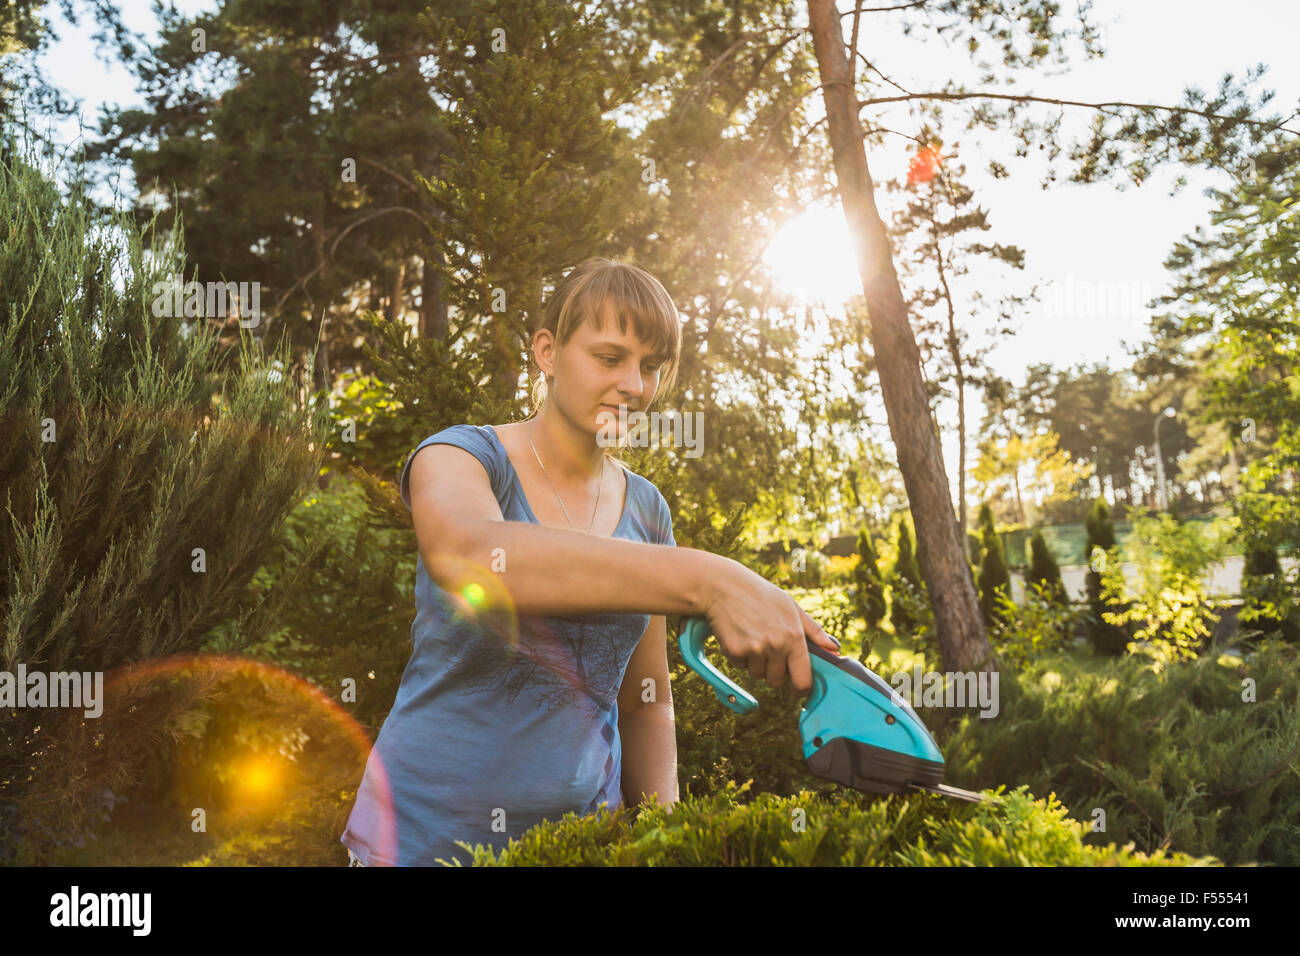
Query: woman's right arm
x,y
561,572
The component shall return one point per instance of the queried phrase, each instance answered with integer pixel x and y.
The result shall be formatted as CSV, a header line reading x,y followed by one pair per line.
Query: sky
x,y
1096,250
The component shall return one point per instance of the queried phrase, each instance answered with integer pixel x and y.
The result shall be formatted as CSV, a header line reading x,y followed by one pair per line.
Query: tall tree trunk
x,y
433,307
958,620
322,380
396,301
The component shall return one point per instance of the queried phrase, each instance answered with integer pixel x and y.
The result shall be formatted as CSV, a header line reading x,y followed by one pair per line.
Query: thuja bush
x,y
842,828
146,468
1198,756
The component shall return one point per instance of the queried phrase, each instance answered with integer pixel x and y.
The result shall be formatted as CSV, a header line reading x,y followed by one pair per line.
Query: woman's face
x,y
598,370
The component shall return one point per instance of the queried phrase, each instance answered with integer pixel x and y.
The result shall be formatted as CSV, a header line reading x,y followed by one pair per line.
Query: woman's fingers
x,y
814,631
776,670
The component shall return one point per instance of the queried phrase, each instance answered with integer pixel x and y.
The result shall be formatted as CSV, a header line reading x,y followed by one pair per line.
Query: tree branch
x,y
904,6
1055,102
334,245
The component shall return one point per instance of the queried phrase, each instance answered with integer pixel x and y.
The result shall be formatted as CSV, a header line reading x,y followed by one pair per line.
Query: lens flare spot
x,y
258,776
478,594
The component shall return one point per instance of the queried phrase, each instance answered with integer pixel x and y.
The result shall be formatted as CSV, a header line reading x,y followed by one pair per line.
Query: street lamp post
x,y
1161,504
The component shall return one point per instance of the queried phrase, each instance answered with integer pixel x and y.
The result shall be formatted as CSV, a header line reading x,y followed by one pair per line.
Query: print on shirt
x,y
554,671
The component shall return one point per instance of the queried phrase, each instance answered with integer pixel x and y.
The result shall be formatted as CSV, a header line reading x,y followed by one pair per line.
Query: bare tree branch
x,y
904,6
1055,102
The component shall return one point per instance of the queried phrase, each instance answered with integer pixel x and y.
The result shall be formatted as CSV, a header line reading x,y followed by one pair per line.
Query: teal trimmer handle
x,y
695,631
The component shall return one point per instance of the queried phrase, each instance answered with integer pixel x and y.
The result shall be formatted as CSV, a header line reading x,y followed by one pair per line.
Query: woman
x,y
538,679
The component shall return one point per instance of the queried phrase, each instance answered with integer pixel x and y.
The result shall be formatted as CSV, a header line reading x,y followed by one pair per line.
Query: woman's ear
x,y
544,351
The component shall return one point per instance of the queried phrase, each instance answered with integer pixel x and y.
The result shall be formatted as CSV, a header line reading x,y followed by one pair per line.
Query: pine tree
x,y
144,476
869,585
541,181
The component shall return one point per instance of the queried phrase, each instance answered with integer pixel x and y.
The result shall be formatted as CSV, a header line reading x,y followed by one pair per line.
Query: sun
x,y
811,256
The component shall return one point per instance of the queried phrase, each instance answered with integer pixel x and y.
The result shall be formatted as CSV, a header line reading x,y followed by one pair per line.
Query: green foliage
x,y
994,577
1039,626
539,181
1101,532
832,608
914,607
1172,613
369,428
842,828
1177,757
1270,607
806,568
1238,343
434,387
868,582
838,570
344,593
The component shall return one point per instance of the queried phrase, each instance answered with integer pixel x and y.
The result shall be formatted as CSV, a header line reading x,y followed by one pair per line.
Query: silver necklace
x,y
557,494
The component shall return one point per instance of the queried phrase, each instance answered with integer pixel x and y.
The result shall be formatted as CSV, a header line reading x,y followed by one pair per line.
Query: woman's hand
x,y
762,627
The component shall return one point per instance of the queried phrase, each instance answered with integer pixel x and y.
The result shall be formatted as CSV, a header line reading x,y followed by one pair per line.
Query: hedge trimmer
x,y
856,729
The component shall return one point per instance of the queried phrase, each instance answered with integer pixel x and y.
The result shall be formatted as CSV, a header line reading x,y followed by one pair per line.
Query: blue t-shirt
x,y
485,736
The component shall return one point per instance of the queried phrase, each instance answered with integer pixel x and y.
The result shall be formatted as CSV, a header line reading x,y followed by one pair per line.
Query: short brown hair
x,y
634,293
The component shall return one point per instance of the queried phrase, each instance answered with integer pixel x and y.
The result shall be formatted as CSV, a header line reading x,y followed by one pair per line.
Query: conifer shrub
x,y
1044,571
910,613
1100,552
1197,756
994,576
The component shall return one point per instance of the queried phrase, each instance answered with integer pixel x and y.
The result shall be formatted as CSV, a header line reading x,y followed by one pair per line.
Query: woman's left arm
x,y
645,720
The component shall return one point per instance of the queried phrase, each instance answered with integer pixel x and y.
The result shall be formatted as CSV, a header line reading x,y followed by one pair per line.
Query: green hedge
x,y
1174,756
844,828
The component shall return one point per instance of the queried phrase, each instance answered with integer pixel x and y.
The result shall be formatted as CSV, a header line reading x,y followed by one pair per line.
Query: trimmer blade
x,y
944,790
